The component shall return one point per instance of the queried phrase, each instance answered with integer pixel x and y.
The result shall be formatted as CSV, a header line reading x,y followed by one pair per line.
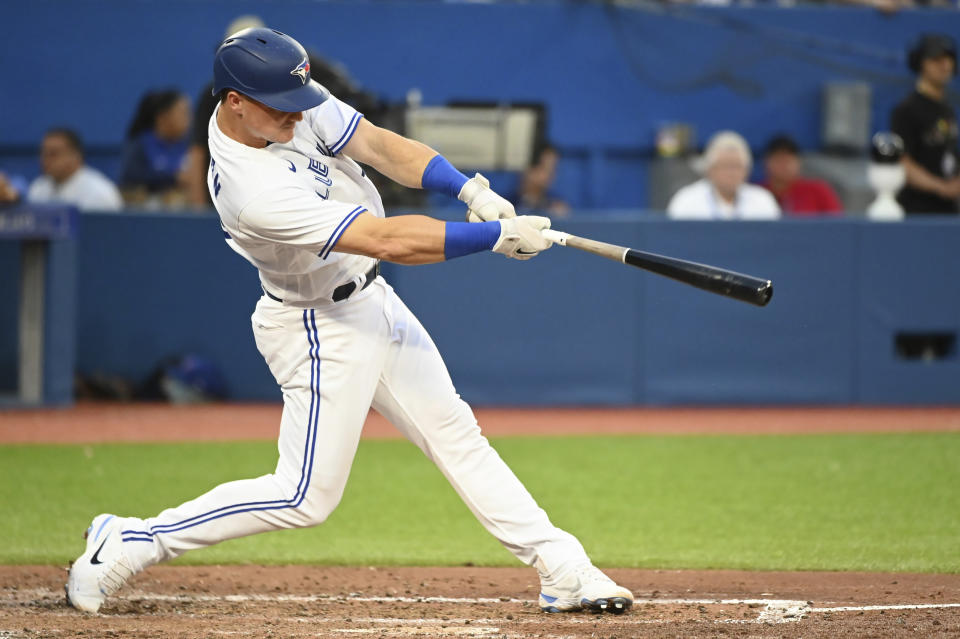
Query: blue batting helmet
x,y
268,66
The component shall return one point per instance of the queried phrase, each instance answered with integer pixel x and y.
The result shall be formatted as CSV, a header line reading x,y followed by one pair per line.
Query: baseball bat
x,y
745,288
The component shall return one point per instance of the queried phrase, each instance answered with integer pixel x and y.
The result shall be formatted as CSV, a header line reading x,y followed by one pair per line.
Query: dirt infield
x,y
298,601
89,423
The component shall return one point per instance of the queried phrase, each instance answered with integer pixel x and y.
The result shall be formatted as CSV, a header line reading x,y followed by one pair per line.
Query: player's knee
x,y
317,506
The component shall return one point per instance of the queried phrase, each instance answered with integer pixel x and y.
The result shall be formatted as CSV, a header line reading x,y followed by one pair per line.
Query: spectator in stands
x,y
67,180
928,126
534,194
724,194
796,195
331,75
150,171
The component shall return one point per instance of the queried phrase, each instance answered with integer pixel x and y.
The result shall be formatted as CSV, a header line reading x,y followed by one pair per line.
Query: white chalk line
x,y
884,607
773,610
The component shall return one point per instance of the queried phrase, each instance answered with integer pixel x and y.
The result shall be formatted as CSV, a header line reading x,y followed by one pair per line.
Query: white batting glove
x,y
520,237
483,203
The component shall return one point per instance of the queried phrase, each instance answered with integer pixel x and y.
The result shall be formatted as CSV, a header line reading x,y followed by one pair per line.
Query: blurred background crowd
x,y
691,169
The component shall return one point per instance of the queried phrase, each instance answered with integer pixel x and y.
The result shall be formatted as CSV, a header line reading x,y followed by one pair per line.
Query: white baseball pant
x,y
332,364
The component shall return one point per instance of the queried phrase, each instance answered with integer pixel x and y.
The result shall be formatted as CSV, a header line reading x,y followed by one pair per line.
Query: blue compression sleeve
x,y
464,238
441,176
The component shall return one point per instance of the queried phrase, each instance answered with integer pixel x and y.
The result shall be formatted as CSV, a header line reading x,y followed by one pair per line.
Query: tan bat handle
x,y
610,251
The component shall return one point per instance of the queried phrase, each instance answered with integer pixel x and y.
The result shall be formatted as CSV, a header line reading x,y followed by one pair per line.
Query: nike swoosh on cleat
x,y
522,252
95,559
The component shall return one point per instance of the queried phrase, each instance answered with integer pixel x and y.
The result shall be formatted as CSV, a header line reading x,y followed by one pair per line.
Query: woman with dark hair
x,y
157,140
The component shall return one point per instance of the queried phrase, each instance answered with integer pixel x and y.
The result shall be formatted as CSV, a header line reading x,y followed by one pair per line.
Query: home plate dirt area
x,y
317,601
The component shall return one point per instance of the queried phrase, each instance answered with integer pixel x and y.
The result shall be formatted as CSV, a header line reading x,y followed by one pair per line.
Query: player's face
x,y
267,123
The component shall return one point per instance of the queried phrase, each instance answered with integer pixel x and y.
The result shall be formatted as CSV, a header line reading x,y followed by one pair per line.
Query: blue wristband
x,y
441,176
464,238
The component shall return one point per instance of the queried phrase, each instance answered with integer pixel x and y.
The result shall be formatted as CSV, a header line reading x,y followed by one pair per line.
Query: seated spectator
x,y
796,195
724,194
533,194
150,171
67,180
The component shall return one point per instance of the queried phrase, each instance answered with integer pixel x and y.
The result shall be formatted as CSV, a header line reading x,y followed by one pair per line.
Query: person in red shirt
x,y
796,195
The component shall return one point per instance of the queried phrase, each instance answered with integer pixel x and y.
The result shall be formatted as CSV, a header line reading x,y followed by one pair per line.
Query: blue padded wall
x,y
567,327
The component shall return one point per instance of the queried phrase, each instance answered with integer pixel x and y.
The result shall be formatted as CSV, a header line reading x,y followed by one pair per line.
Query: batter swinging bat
x,y
710,278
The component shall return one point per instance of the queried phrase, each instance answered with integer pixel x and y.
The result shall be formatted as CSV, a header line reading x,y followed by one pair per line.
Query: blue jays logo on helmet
x,y
257,63
302,71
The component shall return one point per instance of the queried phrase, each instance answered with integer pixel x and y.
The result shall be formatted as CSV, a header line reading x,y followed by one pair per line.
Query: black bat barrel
x,y
709,278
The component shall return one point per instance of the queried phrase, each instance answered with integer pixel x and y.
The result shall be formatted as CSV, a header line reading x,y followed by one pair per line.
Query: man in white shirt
x,y
67,180
724,193
286,179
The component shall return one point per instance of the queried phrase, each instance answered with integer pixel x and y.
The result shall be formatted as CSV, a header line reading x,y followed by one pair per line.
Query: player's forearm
x,y
409,239
404,239
920,178
405,159
407,162
416,239
401,159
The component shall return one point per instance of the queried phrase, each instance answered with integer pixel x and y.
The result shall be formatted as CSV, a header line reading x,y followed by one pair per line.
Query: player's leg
x,y
417,395
328,365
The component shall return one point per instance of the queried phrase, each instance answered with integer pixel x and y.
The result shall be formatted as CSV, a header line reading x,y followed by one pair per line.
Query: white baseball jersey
x,y
284,207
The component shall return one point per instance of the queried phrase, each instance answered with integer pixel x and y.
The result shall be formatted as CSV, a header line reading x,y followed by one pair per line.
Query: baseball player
x,y
286,179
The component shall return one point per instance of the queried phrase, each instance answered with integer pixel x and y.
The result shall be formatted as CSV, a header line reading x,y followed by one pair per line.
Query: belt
x,y
343,291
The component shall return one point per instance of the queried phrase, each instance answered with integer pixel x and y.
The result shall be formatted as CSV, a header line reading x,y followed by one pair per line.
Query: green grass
x,y
821,502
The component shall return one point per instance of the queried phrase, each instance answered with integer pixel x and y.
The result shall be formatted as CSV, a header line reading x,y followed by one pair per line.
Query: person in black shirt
x,y
928,126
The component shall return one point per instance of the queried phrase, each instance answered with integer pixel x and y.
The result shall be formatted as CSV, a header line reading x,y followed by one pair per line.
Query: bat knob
x,y
557,237
764,293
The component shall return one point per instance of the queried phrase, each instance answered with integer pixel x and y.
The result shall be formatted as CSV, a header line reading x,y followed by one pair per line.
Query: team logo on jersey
x,y
302,71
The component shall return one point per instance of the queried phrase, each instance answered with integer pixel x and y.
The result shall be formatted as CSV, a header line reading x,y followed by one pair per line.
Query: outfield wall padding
x,y
567,327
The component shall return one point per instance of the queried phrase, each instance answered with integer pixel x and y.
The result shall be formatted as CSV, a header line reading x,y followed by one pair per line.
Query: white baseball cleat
x,y
583,588
103,567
